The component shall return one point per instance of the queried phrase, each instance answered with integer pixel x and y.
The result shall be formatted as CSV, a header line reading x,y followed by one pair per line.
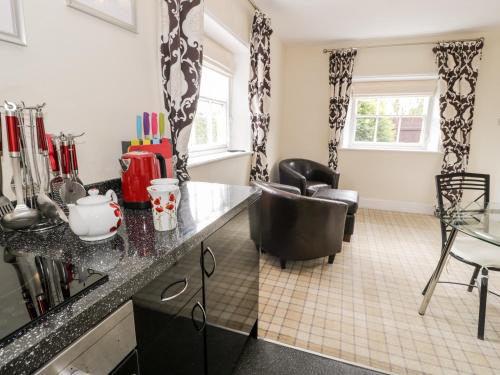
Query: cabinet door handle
x,y
209,250
165,299
196,326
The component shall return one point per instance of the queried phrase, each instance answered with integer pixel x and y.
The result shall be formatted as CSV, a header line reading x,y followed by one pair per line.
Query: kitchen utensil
x,y
10,258
6,205
28,181
95,217
146,127
50,209
154,128
22,216
64,279
164,201
161,121
43,148
31,186
74,160
70,190
33,142
57,181
138,131
43,296
138,169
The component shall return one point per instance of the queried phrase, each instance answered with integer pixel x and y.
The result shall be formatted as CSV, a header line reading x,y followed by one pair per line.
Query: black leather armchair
x,y
307,175
294,227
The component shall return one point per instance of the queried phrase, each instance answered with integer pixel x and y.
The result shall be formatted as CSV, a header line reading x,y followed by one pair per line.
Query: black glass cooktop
x,y
32,286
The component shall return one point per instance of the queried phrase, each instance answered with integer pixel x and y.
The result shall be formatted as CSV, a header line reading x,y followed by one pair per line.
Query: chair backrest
x,y
302,166
451,189
293,226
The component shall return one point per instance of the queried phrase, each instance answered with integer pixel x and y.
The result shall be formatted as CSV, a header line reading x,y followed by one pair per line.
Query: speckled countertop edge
x,y
66,326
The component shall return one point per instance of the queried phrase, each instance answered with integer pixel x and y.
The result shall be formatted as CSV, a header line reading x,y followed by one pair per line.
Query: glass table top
x,y
476,221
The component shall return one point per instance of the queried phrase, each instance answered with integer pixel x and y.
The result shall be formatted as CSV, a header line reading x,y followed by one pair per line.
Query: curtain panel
x,y
259,94
340,79
181,51
458,68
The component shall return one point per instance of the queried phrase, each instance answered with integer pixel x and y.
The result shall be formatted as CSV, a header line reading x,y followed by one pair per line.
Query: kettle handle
x,y
163,167
112,195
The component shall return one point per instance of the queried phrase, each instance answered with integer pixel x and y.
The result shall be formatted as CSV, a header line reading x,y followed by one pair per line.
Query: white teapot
x,y
95,217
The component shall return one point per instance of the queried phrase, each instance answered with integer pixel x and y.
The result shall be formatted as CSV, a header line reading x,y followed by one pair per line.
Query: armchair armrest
x,y
289,176
323,173
287,188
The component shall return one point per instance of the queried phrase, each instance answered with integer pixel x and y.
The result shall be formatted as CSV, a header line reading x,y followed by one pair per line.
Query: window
x,y
398,122
210,128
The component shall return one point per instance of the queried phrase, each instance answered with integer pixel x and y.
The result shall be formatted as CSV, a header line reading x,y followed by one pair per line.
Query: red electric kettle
x,y
138,169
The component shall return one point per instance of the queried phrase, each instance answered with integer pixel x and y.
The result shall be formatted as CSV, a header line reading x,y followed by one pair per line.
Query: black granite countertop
x,y
132,258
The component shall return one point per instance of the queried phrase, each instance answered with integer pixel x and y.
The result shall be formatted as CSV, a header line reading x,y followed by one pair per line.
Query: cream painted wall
x,y
95,77
385,179
234,171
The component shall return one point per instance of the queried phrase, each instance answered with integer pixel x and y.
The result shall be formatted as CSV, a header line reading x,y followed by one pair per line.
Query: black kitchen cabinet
x,y
176,347
231,289
196,317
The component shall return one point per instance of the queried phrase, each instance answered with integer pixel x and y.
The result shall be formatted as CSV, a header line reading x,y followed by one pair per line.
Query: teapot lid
x,y
93,199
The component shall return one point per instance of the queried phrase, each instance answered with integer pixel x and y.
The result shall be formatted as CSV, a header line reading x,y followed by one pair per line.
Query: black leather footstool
x,y
347,196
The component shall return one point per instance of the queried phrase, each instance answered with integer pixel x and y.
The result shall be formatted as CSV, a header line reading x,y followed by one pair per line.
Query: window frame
x,y
424,143
200,150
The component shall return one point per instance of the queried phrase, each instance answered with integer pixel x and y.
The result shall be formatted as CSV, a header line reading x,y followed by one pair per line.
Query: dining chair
x,y
483,256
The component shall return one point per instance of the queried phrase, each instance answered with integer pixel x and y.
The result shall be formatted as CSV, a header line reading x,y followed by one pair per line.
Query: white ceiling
x,y
329,20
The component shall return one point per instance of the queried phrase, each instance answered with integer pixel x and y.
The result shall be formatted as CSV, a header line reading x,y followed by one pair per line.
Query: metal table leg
x,y
437,273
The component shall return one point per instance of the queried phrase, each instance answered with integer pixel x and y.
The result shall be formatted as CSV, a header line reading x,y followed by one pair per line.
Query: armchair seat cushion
x,y
313,186
347,196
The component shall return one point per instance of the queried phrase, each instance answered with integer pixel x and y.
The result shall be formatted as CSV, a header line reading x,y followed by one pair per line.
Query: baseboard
x,y
399,206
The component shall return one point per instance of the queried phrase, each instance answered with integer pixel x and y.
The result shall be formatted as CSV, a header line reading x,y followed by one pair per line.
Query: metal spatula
x,y
70,190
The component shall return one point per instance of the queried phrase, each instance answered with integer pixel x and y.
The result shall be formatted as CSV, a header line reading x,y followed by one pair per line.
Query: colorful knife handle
x,y
145,123
154,124
154,127
162,124
138,126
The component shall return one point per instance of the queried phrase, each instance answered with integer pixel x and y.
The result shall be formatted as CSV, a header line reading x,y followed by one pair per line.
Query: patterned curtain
x,y
340,78
181,59
259,93
458,66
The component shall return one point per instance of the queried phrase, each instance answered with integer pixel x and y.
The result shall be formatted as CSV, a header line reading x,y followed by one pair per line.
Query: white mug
x,y
165,181
164,199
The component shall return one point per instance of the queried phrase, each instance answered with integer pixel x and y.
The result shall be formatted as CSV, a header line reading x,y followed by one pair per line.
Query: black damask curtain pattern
x,y
259,93
340,79
458,67
181,60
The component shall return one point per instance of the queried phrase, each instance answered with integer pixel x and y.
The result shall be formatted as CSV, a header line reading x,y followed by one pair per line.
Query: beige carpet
x,y
363,308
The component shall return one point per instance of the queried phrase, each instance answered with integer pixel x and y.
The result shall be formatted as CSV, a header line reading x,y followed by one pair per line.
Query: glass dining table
x,y
471,220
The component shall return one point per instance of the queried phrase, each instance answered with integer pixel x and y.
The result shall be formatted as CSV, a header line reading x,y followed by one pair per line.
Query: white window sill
x,y
418,151
196,161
